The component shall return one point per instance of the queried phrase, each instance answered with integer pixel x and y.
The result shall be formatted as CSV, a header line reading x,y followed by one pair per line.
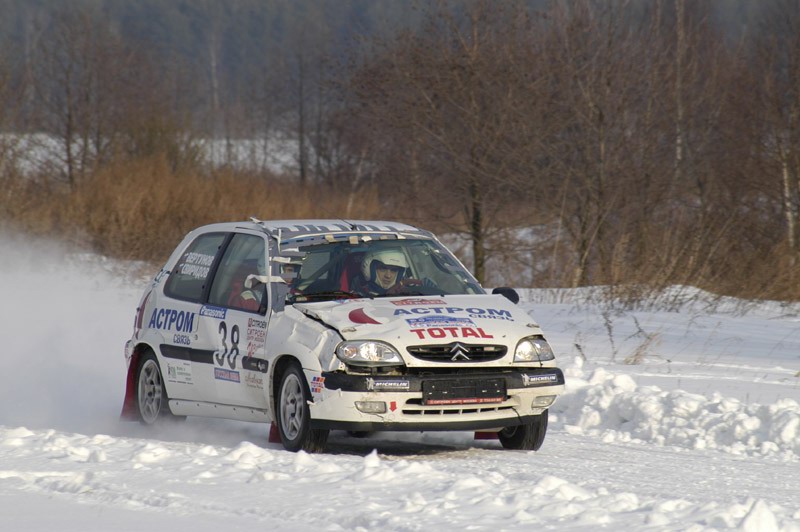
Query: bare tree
x,y
448,106
779,52
78,67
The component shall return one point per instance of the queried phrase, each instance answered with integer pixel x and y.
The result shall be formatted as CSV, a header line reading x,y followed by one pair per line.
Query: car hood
x,y
404,321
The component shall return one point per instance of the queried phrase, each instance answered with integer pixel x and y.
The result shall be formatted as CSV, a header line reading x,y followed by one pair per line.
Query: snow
x,y
276,153
699,430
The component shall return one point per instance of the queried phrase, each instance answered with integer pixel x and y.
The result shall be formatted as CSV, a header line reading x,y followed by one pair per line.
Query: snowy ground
x,y
700,432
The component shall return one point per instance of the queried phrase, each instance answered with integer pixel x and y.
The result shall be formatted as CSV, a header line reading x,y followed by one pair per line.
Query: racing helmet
x,y
389,257
292,267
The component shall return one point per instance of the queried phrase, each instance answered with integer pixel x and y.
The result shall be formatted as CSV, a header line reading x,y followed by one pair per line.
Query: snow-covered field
x,y
700,430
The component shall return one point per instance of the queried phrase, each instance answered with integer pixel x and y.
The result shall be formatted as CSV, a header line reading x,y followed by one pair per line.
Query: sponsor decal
x,y
472,312
416,301
181,339
253,381
393,385
359,316
179,372
253,323
451,332
196,265
440,321
317,384
256,335
539,380
465,401
213,312
172,320
226,375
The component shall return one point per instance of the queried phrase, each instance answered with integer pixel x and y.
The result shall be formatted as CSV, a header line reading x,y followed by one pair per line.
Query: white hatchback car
x,y
329,324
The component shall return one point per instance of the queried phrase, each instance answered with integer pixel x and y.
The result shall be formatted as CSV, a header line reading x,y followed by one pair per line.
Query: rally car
x,y
319,325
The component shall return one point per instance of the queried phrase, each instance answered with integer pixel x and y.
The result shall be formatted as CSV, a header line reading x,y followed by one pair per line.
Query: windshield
x,y
376,268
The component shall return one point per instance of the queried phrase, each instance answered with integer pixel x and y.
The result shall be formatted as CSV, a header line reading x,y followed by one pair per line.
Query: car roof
x,y
287,231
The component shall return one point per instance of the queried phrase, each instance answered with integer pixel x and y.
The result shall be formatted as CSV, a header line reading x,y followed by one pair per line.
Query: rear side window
x,y
190,274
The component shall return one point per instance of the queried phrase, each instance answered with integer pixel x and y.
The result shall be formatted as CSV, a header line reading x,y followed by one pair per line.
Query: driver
x,y
382,272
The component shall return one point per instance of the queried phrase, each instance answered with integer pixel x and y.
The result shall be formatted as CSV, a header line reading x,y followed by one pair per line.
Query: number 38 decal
x,y
232,352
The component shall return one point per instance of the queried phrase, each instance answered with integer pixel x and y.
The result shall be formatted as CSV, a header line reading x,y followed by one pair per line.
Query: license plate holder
x,y
463,391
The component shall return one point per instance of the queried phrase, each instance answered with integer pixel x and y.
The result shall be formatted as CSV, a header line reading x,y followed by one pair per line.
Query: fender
x,y
304,340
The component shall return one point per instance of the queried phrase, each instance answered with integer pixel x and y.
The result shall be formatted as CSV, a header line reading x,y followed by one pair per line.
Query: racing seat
x,y
240,296
351,268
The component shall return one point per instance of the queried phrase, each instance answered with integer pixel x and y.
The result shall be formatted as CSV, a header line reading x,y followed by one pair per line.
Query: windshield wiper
x,y
332,294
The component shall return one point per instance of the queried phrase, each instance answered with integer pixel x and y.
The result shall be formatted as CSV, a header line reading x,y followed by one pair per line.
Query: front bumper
x,y
408,406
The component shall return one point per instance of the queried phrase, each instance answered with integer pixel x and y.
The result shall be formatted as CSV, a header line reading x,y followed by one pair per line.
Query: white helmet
x,y
389,257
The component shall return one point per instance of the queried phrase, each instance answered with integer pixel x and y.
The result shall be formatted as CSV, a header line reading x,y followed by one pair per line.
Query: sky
x,y
678,419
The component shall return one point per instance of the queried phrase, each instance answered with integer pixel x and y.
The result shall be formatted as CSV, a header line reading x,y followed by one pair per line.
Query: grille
x,y
414,407
458,352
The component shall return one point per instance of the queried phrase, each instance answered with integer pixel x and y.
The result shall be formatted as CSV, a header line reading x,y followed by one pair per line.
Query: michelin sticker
x,y
539,380
388,385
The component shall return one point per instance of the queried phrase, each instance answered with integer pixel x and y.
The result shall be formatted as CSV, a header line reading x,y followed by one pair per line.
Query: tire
x,y
294,416
527,437
152,402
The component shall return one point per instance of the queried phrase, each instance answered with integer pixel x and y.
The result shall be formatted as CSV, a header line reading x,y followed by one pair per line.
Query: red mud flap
x,y
129,403
486,435
274,435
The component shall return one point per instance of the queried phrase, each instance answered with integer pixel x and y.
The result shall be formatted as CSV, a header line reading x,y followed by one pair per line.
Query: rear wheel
x,y
527,437
152,403
294,416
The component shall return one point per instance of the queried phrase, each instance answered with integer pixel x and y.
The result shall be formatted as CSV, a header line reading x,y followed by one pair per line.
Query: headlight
x,y
533,349
368,353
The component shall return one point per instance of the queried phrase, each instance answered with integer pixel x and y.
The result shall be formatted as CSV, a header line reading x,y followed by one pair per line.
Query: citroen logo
x,y
459,352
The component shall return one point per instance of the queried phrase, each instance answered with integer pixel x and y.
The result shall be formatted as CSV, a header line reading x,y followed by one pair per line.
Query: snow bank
x,y
614,408
247,485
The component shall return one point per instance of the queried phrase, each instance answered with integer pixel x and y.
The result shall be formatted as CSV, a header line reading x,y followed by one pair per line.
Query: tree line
x,y
629,144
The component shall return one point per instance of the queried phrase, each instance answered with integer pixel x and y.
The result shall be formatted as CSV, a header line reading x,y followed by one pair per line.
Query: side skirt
x,y
182,407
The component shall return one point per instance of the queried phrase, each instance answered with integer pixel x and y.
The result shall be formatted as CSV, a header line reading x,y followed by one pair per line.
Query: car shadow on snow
x,y
406,444
211,431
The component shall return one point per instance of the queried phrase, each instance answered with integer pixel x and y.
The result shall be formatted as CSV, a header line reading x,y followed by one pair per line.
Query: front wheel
x,y
294,416
527,437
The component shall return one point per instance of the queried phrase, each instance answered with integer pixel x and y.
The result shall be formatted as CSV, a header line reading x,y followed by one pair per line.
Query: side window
x,y
188,277
231,288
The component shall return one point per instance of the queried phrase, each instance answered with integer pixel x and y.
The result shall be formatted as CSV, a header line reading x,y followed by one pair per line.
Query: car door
x,y
236,314
187,343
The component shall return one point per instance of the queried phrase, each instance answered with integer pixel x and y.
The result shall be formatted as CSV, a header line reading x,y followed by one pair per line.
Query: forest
x,y
628,144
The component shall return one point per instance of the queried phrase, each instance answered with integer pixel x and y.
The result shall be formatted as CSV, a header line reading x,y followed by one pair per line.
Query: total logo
x,y
451,332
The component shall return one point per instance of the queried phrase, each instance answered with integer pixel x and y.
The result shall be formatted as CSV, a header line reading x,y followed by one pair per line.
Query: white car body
x,y
223,361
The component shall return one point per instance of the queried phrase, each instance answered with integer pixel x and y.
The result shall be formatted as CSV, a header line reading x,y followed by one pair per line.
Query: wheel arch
x,y
281,362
